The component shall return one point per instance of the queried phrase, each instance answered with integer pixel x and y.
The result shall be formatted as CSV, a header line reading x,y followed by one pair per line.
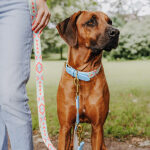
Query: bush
x,y
134,41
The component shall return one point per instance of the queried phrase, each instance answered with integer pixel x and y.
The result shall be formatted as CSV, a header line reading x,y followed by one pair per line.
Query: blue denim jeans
x,y
15,50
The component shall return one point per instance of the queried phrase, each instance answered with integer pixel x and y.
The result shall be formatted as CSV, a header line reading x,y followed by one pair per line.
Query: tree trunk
x,y
61,53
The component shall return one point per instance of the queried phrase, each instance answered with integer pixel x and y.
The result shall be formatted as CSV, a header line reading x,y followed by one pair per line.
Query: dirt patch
x,y
112,144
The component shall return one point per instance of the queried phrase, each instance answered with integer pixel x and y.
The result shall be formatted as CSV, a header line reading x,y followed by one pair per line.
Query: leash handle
x,y
39,80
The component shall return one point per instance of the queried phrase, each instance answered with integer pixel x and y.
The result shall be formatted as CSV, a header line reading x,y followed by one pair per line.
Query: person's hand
x,y
43,16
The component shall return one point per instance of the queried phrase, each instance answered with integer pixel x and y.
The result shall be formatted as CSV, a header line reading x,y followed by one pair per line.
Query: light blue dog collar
x,y
85,76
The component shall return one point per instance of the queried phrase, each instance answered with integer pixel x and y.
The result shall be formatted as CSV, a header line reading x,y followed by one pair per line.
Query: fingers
x,y
40,14
42,20
45,24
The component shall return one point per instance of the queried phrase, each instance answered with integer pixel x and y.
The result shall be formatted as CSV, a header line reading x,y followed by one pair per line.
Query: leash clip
x,y
79,132
76,82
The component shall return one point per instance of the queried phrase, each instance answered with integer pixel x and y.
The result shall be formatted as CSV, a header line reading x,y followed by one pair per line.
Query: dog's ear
x,y
68,29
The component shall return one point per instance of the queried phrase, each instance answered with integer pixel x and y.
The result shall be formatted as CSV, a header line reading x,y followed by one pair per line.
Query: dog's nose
x,y
113,32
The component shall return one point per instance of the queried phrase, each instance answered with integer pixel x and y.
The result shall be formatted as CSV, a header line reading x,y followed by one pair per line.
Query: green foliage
x,y
48,3
53,3
134,41
51,41
118,20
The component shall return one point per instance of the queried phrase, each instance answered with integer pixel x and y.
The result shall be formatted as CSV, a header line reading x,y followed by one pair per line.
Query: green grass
x,y
129,84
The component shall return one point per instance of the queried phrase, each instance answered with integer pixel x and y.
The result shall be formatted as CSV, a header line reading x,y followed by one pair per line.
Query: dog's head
x,y
92,30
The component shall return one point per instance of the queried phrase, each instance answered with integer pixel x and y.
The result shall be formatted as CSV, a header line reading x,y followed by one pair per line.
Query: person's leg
x,y
3,134
15,48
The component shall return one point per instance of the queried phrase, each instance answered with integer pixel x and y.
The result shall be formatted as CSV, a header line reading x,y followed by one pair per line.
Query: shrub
x,y
134,41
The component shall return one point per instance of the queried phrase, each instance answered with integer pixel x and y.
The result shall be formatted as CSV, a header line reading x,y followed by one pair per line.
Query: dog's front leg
x,y
97,138
64,139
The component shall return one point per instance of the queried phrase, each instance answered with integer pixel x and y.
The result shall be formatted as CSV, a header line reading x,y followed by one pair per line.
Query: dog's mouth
x,y
108,46
113,43
107,41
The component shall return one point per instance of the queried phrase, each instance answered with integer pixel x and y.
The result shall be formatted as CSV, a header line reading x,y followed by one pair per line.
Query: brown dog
x,y
87,34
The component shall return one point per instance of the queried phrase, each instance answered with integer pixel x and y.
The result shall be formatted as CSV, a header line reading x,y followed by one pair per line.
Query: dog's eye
x,y
92,22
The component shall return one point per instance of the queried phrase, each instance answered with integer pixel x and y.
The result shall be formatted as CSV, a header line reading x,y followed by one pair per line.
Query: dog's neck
x,y
83,59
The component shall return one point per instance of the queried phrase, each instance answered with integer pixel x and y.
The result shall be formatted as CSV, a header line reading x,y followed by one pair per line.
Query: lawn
x,y
129,84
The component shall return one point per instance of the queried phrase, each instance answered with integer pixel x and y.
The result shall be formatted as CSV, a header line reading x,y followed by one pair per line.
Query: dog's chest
x,y
89,94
